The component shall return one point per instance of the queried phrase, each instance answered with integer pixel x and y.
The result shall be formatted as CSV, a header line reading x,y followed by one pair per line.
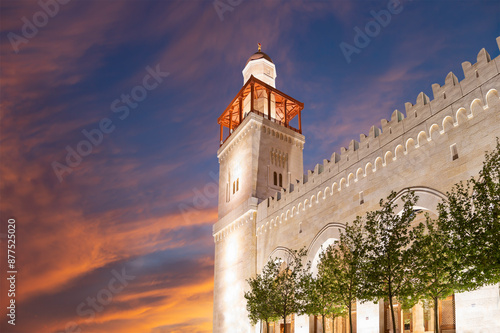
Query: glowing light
x,y
230,277
315,262
231,251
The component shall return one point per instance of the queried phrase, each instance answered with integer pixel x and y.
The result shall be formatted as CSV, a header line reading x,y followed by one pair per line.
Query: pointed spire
x,y
259,46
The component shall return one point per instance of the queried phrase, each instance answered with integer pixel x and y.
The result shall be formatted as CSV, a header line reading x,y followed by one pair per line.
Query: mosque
x,y
269,206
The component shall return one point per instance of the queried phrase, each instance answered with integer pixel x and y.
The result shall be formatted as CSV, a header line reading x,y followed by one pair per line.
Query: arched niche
x,y
428,198
282,253
328,235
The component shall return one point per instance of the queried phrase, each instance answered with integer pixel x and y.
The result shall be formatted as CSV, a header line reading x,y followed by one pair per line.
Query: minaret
x,y
260,66
260,154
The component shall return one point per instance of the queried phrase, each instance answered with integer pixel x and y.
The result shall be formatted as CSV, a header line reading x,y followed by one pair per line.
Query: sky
x,y
108,133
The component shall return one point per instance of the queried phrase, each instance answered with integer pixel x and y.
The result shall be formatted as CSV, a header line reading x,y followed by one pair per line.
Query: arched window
x,y
237,184
234,187
275,179
281,180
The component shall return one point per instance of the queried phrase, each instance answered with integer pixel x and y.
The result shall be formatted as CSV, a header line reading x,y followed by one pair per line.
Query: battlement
x,y
453,103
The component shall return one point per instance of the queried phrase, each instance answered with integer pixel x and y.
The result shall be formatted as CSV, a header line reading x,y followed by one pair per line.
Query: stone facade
x,y
434,145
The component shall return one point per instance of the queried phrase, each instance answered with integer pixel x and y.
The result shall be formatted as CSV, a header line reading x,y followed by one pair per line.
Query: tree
x,y
433,265
458,251
487,207
318,296
471,217
341,264
386,243
276,292
262,294
289,294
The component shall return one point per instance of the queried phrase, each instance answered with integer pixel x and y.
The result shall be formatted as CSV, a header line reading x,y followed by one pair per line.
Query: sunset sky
x,y
134,207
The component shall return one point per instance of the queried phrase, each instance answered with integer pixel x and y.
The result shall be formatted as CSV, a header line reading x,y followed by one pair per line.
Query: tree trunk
x,y
350,317
323,320
436,315
284,323
392,314
333,323
267,326
261,324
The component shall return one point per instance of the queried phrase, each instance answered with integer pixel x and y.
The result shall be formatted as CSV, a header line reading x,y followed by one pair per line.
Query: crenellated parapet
x,y
454,104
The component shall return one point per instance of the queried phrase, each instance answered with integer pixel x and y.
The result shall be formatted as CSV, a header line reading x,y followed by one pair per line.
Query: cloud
x,y
181,272
193,326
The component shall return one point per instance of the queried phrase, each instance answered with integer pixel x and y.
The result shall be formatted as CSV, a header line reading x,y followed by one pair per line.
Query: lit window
x,y
237,184
234,187
281,180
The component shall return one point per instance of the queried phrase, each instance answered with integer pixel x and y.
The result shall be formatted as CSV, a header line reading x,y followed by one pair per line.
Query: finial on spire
x,y
259,46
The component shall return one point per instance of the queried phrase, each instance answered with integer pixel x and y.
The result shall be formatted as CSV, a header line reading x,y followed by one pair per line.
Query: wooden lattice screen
x,y
447,313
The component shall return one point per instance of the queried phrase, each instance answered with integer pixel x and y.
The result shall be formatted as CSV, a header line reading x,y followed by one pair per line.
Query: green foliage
x,y
458,251
276,292
471,217
341,265
262,294
433,266
288,284
319,297
486,198
386,242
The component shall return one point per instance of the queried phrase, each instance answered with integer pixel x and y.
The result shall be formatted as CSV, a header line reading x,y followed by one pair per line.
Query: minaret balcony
x,y
264,100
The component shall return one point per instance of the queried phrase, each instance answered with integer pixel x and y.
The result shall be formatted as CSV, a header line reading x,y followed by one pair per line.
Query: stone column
x,y
302,324
431,320
418,319
478,310
367,317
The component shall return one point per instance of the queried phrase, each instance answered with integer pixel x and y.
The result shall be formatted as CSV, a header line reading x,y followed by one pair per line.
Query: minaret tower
x,y
260,154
